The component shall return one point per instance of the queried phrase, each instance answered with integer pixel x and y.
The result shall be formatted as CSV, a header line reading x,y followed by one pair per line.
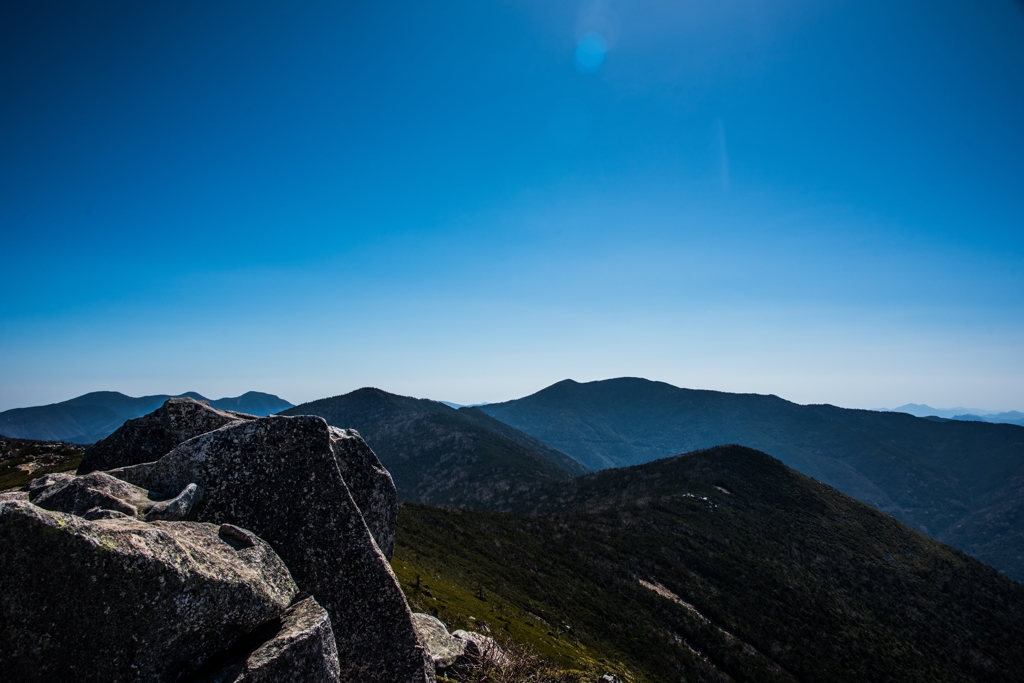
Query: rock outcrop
x,y
125,600
370,484
301,649
280,478
456,652
98,495
81,495
479,646
152,436
444,650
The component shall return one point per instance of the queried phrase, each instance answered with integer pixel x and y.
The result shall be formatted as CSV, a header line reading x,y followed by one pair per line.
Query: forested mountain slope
x,y
959,482
717,565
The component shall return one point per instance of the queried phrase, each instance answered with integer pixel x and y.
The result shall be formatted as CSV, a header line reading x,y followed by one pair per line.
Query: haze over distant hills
x,y
440,455
960,482
92,416
975,414
924,410
1013,417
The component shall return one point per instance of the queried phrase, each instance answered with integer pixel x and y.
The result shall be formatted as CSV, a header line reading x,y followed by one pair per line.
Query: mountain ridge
x,y
976,414
717,565
440,455
957,481
87,418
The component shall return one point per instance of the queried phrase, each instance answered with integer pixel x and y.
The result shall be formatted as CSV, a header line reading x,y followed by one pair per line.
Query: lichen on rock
x,y
125,600
279,477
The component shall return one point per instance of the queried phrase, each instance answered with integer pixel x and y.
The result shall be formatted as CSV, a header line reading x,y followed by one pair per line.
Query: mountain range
x,y
90,417
961,482
975,414
721,564
718,565
925,410
443,456
957,481
1014,417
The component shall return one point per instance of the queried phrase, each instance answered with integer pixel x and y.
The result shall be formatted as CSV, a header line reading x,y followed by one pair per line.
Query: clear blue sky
x,y
471,200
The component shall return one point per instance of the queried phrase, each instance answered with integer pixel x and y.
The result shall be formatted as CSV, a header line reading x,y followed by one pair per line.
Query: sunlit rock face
x,y
209,545
152,436
125,600
279,477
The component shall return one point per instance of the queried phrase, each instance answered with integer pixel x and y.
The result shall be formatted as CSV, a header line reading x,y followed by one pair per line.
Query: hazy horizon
x,y
470,202
217,396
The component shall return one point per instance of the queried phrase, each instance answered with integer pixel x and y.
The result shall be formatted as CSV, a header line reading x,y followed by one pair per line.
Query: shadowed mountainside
x,y
959,482
90,417
443,456
717,565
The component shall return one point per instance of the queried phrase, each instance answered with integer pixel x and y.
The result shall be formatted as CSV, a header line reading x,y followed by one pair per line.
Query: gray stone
x,y
176,508
13,495
301,650
278,476
444,650
125,600
457,652
98,495
79,495
152,436
479,646
370,484
100,513
38,485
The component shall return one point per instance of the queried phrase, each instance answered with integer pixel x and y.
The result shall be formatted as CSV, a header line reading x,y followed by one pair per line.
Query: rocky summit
x,y
216,547
147,438
128,600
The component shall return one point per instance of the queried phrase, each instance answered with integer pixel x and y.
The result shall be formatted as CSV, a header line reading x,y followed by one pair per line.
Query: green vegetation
x,y
516,663
958,482
22,460
722,564
451,587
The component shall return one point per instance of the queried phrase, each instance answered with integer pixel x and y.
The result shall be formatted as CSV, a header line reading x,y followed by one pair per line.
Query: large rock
x,y
152,436
301,650
98,495
444,650
479,646
126,600
458,652
370,484
278,476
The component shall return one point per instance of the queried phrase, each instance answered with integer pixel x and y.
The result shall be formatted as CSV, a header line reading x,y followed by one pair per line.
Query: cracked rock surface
x,y
370,484
279,477
301,649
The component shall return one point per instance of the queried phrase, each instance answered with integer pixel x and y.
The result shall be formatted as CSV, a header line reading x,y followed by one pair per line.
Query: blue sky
x,y
469,201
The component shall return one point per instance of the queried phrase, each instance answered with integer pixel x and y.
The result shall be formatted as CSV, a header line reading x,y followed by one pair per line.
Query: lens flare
x,y
590,52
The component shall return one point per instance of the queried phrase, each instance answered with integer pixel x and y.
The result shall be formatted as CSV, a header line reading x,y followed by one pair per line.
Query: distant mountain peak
x,y
92,416
924,410
903,465
440,455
